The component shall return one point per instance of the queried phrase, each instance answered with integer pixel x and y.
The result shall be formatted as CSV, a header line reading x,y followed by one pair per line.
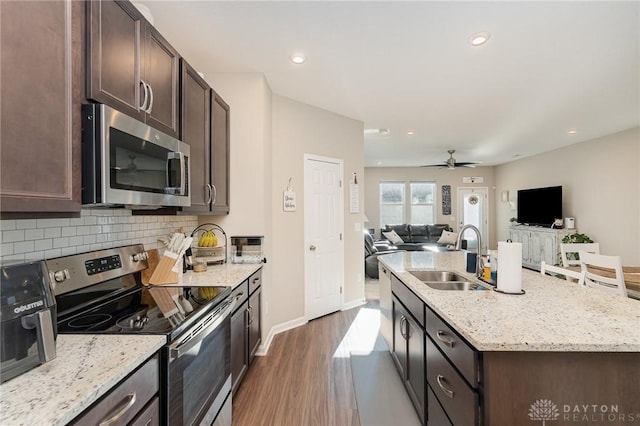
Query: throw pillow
x,y
393,237
448,237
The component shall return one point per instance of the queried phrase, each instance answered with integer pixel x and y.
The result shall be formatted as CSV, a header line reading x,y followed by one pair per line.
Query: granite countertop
x,y
226,274
553,315
85,368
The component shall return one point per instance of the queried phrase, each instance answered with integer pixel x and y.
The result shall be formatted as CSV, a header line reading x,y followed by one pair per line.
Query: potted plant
x,y
576,238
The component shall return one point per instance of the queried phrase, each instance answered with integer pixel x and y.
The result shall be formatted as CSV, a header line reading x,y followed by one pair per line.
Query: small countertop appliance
x,y
27,318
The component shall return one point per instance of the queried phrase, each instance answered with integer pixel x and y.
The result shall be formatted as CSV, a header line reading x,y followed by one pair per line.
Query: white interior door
x,y
323,207
473,209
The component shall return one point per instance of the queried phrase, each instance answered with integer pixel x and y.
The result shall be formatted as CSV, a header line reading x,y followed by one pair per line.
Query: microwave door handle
x,y
183,179
42,322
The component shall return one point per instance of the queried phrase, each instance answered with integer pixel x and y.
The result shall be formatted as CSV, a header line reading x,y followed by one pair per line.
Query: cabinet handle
x,y
403,327
239,296
215,194
210,196
443,388
127,405
447,342
249,317
150,99
146,96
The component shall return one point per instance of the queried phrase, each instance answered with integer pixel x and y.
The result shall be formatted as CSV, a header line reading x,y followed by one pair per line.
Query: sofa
x,y
371,252
417,237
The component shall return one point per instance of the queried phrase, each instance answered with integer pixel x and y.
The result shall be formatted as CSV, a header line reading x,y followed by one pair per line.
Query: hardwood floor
x,y
305,378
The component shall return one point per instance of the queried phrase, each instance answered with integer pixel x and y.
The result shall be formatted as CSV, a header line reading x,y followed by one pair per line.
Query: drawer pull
x,y
239,296
443,388
448,342
132,400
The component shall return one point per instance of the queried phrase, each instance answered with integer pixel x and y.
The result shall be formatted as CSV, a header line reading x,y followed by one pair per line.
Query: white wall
x,y
375,175
300,129
601,189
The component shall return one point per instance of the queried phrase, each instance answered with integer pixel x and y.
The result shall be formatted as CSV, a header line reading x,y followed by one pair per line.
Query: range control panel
x,y
108,263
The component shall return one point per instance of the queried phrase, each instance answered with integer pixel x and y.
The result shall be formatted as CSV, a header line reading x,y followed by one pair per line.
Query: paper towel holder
x,y
506,292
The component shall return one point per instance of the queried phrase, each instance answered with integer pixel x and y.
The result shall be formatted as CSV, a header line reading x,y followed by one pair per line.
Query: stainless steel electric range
x,y
102,292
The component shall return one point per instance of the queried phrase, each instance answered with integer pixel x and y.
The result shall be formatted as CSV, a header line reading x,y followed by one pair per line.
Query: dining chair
x,y
603,272
568,250
552,270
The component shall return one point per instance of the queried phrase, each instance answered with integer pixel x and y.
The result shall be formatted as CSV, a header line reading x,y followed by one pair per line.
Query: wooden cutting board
x,y
153,259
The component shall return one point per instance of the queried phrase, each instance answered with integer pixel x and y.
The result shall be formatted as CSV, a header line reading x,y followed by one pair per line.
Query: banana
x,y
201,240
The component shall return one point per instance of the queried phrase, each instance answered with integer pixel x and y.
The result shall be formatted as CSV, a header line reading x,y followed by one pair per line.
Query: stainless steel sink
x,y
446,280
440,276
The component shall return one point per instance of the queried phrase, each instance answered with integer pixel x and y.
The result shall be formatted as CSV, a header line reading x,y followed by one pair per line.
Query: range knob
x,y
140,256
61,275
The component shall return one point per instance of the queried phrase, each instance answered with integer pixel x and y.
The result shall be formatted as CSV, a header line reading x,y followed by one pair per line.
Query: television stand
x,y
538,244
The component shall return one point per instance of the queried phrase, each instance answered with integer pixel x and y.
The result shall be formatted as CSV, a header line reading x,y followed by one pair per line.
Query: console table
x,y
538,244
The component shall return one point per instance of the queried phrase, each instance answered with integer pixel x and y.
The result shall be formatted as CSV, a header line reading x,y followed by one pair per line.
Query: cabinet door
x,y
386,319
416,379
535,248
548,252
239,345
39,129
220,154
115,30
399,349
254,323
195,131
161,74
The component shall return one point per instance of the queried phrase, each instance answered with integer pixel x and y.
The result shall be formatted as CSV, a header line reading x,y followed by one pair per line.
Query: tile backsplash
x,y
95,229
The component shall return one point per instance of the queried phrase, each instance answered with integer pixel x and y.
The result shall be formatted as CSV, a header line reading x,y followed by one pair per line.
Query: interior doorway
x,y
473,209
323,223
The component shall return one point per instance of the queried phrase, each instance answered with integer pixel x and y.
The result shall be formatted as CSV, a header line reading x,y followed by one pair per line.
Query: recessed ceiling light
x,y
383,132
411,132
480,38
379,163
572,131
298,58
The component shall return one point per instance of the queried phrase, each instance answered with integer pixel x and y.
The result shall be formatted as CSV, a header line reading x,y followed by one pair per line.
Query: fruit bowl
x,y
209,243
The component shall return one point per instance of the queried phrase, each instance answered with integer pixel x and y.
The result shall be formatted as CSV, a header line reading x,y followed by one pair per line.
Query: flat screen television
x,y
540,206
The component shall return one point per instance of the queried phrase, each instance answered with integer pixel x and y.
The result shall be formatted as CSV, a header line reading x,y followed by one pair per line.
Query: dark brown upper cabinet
x,y
204,124
195,130
41,72
130,66
220,142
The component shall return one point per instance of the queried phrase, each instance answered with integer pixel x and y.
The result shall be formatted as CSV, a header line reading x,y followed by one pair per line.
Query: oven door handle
x,y
178,349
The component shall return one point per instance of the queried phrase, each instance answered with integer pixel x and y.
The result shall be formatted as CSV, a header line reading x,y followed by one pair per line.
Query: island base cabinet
x,y
436,414
408,354
563,388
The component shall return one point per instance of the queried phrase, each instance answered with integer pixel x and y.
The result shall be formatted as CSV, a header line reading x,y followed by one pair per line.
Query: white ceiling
x,y
548,67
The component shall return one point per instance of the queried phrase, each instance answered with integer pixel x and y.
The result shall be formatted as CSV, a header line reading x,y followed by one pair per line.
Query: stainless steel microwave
x,y
126,162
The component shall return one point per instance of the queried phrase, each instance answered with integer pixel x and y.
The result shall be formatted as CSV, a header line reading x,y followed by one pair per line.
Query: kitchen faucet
x,y
479,265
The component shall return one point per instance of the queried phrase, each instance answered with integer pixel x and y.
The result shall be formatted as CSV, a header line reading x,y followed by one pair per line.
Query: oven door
x,y
199,369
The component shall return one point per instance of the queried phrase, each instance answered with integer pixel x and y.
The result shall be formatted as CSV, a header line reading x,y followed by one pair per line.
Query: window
x,y
422,209
420,205
391,203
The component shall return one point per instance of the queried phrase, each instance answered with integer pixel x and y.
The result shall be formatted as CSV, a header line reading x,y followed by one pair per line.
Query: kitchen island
x,y
568,346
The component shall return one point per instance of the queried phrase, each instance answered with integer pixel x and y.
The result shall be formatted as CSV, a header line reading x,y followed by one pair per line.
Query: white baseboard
x,y
353,304
264,347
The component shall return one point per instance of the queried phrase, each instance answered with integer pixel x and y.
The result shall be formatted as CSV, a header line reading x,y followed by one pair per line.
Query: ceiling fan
x,y
451,162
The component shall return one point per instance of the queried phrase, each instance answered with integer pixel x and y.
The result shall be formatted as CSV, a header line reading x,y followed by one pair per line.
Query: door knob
x,y
312,247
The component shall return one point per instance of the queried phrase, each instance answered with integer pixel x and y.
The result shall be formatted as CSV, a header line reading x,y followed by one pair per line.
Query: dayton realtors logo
x,y
546,410
543,410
